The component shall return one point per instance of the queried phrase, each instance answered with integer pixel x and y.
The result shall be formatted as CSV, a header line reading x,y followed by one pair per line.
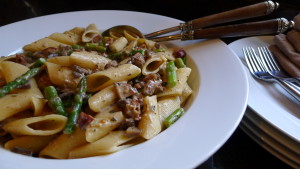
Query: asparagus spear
x,y
73,116
171,74
19,81
54,100
40,62
173,117
179,63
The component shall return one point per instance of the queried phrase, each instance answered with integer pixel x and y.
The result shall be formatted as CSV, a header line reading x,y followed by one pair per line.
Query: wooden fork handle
x,y
272,26
255,10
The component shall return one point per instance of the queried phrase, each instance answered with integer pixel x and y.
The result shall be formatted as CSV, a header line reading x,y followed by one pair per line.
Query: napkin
x,y
284,62
286,49
297,22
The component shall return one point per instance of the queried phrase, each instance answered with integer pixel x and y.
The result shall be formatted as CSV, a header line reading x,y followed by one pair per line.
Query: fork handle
x,y
272,26
251,11
291,88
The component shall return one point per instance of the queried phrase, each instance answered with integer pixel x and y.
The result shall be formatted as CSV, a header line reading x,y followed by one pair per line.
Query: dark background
x,y
240,151
15,10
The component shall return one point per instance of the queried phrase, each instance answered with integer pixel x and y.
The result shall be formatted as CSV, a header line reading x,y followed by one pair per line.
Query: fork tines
x,y
253,62
268,59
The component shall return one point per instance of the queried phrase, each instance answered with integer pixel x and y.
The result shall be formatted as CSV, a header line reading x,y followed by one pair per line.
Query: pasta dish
x,y
80,94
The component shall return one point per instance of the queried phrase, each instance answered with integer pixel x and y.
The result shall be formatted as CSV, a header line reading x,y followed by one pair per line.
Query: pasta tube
x,y
130,36
152,65
42,44
89,60
31,143
150,123
41,125
102,125
118,44
60,75
187,91
62,60
182,75
90,32
166,106
61,146
108,144
103,98
102,79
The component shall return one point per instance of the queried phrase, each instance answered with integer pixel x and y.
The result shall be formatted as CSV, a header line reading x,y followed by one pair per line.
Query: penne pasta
x,y
12,104
132,44
153,64
108,144
187,91
166,106
30,143
119,44
103,98
42,44
182,76
115,35
102,79
62,60
61,75
150,123
114,91
41,125
90,32
102,124
64,38
12,70
58,148
77,31
150,44
167,53
37,105
130,36
89,60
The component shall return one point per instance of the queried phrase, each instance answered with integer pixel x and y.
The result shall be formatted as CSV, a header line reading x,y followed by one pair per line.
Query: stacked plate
x,y
272,118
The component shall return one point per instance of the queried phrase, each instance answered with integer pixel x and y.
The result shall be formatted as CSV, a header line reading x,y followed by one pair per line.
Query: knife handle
x,y
273,26
251,11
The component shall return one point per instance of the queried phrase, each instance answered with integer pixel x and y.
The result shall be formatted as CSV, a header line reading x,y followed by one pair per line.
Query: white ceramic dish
x,y
248,129
213,113
268,143
269,100
271,131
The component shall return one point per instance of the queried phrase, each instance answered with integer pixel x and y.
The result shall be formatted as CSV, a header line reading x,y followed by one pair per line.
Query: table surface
x,y
240,151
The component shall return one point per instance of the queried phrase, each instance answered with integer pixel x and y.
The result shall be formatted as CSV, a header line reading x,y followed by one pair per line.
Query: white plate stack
x,y
272,118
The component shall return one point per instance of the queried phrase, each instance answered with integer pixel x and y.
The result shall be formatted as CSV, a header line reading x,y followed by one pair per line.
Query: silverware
x,y
190,30
257,70
273,67
273,26
251,11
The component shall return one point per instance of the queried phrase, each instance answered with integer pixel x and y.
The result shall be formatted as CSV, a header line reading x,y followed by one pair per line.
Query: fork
x,y
257,70
272,66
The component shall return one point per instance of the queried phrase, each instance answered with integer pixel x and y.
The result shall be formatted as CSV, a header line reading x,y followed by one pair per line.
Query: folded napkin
x,y
297,22
287,49
294,37
284,62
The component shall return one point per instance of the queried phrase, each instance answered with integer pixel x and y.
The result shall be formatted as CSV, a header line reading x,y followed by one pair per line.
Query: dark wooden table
x,y
240,151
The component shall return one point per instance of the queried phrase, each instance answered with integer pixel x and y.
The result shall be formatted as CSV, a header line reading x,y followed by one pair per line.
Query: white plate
x,y
214,111
269,100
271,131
248,129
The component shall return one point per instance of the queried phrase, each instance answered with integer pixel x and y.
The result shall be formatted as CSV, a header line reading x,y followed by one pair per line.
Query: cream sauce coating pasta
x,y
126,99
